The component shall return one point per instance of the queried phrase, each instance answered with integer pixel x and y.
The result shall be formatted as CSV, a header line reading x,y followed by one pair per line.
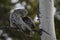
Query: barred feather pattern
x,y
17,21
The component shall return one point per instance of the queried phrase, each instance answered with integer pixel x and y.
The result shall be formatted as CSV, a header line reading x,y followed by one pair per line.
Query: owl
x,y
19,19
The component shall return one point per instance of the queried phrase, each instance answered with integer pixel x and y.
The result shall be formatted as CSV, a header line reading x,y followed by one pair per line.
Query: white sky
x,y
9,38
14,1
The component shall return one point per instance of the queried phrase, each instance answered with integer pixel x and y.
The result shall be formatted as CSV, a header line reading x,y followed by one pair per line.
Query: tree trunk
x,y
47,19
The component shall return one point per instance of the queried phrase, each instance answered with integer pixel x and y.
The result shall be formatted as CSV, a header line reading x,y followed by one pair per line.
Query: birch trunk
x,y
47,19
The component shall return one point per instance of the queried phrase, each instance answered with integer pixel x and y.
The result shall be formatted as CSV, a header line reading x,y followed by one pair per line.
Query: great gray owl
x,y
19,19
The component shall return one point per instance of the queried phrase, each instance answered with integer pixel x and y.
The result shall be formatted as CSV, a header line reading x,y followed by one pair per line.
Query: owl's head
x,y
22,12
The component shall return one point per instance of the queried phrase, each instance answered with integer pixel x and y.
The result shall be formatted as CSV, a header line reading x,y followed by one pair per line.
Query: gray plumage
x,y
17,21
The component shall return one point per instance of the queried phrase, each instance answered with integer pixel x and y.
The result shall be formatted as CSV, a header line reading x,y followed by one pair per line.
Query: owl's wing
x,y
29,21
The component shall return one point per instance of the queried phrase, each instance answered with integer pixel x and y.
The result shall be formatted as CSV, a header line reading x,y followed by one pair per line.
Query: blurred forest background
x,y
5,8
